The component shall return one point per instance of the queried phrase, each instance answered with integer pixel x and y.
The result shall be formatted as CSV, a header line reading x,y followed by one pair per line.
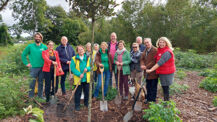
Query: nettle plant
x,y
164,111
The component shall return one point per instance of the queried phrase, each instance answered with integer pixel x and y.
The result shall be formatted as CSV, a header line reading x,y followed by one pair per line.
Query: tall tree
x,y
31,15
93,9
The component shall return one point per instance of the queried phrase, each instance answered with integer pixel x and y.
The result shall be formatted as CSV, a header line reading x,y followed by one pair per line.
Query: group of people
x,y
143,60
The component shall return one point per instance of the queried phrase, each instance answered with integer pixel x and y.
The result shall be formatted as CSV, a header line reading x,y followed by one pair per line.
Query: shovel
x,y
103,103
70,77
118,97
73,92
129,114
54,99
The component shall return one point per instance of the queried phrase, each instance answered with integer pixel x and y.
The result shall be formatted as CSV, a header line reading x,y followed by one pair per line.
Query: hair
x,y
48,42
104,44
138,37
121,41
88,44
135,44
165,39
78,47
147,39
114,34
38,33
64,37
95,44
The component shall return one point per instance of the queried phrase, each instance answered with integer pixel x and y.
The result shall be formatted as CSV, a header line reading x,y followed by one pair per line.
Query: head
x,y
80,50
38,38
88,47
96,47
147,42
64,40
121,44
164,42
104,46
135,47
113,37
139,40
50,45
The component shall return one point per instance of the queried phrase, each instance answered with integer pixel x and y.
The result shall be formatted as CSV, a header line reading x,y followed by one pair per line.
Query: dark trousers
x,y
49,80
123,84
166,91
62,83
151,86
85,87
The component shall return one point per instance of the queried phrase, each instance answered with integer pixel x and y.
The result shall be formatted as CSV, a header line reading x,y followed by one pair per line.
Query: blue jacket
x,y
64,57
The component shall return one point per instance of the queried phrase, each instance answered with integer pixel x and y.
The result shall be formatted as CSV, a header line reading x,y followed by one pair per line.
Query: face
x,y
113,37
139,41
80,51
147,43
103,46
37,38
96,48
50,46
162,44
120,46
88,47
64,41
135,47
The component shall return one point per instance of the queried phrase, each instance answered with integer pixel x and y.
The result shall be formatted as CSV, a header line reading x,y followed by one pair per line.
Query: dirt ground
x,y
195,105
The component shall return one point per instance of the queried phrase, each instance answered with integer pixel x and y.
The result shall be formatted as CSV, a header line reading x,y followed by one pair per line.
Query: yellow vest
x,y
94,66
77,66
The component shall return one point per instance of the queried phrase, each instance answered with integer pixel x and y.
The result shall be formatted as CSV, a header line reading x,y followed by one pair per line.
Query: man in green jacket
x,y
36,62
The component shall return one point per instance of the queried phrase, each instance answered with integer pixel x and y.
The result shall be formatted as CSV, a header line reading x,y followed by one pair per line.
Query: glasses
x,y
134,47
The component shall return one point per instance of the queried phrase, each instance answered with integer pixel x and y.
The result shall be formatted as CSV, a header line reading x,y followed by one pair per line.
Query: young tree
x,y
92,9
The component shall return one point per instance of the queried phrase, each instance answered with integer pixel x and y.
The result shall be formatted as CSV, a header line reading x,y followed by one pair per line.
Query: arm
x,y
128,60
74,70
153,68
115,58
24,54
45,57
164,58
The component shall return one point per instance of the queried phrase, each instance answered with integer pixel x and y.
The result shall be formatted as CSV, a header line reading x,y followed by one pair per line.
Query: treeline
x,y
189,24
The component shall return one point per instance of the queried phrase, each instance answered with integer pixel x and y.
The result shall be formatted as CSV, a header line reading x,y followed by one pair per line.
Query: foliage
x,y
180,74
5,37
210,82
164,111
177,88
36,112
111,94
215,101
3,4
12,91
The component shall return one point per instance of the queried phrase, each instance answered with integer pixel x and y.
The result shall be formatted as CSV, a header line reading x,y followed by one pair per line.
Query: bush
x,y
210,82
164,111
176,88
111,94
215,101
180,74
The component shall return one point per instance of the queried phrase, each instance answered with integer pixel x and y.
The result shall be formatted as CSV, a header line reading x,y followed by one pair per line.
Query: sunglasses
x,y
134,47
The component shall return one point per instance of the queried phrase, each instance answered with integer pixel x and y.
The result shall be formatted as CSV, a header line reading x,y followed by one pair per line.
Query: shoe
x,y
47,98
77,108
125,98
94,99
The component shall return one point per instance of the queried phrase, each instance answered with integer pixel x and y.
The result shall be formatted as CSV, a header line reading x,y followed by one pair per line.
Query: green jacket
x,y
35,55
82,65
126,62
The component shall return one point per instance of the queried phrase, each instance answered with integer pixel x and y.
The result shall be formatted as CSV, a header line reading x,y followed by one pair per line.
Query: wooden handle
x,y
102,86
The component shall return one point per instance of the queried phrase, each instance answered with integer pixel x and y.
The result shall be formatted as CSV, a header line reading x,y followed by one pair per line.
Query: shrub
x,y
180,74
215,101
164,111
176,88
111,94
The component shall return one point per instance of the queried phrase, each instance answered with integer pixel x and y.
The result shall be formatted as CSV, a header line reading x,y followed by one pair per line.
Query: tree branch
x,y
4,4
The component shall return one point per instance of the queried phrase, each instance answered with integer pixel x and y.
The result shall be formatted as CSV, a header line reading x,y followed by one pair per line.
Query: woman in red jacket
x,y
165,65
51,59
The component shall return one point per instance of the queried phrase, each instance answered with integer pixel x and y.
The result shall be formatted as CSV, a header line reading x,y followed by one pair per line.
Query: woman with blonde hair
x,y
165,65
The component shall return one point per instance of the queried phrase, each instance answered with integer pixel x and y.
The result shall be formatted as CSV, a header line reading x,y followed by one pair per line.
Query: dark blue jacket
x,y
142,47
64,57
135,61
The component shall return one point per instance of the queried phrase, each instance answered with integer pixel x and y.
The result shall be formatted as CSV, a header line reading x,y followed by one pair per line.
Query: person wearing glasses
x,y
136,72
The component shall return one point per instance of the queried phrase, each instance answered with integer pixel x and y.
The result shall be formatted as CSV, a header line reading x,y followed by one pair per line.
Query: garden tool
x,y
73,92
103,103
118,97
70,77
54,99
138,106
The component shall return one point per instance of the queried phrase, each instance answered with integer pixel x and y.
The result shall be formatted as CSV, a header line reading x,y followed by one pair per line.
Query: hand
x,y
29,65
121,63
81,76
148,71
101,65
143,67
68,62
54,63
85,70
60,70
117,63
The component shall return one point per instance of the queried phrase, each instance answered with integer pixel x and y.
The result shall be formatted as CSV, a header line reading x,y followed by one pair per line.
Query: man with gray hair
x,y
139,41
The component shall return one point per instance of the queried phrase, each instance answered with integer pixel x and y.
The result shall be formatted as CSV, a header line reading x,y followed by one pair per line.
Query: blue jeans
x,y
36,73
106,74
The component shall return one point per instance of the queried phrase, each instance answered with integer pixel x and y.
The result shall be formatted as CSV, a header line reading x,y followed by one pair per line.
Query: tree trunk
x,y
91,74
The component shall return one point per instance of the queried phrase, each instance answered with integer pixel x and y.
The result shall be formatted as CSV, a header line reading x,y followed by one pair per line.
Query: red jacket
x,y
47,62
169,66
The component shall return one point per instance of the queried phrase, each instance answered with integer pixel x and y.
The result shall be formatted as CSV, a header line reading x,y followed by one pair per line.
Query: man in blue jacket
x,y
66,52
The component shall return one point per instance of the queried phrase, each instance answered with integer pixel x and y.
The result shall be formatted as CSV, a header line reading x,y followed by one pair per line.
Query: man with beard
x,y
36,62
